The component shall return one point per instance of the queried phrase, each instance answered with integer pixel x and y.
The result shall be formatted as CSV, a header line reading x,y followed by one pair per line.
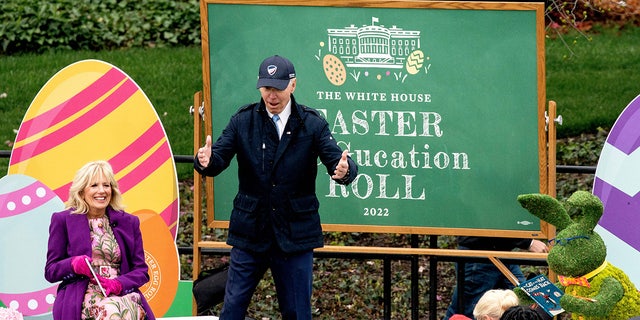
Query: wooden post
x,y
197,188
551,136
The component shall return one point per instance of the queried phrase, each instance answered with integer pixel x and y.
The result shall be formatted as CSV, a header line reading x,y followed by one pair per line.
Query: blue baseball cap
x,y
276,72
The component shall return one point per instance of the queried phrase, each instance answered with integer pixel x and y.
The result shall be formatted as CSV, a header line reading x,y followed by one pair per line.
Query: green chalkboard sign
x,y
441,104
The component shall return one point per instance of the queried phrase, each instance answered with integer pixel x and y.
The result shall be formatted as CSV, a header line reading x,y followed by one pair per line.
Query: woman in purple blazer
x,y
94,228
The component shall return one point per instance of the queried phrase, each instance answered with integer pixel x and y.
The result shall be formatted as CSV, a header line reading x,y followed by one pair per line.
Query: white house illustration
x,y
373,46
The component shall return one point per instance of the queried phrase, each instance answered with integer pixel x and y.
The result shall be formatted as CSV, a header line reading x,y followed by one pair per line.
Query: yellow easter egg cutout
x,y
91,110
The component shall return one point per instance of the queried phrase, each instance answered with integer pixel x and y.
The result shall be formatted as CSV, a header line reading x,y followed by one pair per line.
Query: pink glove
x,y
110,286
80,266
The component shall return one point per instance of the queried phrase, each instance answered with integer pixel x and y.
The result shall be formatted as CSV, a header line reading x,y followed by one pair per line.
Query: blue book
x,y
544,293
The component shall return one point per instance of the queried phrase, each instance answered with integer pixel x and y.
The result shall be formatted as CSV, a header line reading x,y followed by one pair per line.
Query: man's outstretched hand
x,y
204,153
342,168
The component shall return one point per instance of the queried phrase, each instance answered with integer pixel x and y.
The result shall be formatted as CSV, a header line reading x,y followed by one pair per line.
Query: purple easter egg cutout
x,y
617,184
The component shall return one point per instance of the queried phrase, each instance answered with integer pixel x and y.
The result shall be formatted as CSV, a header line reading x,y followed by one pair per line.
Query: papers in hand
x,y
95,277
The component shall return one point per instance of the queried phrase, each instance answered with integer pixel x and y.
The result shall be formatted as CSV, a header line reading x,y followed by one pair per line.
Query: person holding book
x,y
95,249
481,277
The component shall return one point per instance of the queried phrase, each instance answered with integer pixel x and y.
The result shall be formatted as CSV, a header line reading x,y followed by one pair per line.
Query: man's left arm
x,y
340,166
344,170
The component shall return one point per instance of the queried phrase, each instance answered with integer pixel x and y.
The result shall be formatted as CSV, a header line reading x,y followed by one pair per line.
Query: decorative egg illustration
x,y
91,110
415,61
334,70
617,184
26,205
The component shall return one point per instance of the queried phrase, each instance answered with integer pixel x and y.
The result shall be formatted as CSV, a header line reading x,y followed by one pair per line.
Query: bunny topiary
x,y
594,288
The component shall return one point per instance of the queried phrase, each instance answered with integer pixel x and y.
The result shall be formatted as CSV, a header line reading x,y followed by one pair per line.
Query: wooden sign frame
x,y
546,172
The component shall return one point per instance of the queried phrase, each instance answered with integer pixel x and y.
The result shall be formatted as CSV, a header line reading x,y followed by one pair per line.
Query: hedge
x,y
38,26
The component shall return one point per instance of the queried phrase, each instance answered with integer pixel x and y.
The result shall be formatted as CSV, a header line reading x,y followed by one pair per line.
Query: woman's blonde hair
x,y
493,303
86,176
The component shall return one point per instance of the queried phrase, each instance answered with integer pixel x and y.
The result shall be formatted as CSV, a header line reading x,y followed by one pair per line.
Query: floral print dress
x,y
106,257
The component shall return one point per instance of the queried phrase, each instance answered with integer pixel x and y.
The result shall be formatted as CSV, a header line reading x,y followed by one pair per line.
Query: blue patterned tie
x,y
275,119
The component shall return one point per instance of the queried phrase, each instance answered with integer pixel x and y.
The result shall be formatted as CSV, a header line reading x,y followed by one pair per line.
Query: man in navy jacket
x,y
275,222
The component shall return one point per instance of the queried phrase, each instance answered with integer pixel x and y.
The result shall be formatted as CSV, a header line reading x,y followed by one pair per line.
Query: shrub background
x,y
36,26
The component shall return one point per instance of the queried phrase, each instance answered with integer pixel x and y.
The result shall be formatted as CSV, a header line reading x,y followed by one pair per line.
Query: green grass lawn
x,y
591,79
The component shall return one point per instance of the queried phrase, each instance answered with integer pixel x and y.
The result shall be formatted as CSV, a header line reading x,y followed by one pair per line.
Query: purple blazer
x,y
69,237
